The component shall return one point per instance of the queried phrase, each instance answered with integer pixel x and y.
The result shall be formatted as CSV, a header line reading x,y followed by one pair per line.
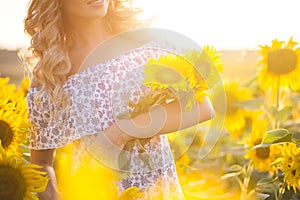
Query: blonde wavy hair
x,y
47,57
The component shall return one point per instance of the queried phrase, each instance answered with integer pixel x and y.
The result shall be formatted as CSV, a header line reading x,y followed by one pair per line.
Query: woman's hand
x,y
51,192
50,196
45,159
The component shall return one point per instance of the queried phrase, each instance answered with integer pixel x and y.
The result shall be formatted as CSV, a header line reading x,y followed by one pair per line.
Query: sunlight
x,y
227,24
12,14
245,81
230,24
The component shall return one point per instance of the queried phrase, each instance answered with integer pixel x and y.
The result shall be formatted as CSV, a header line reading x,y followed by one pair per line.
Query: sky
x,y
225,24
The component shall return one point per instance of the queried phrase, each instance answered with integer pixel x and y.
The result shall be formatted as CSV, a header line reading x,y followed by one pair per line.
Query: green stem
x,y
275,186
282,190
277,107
246,181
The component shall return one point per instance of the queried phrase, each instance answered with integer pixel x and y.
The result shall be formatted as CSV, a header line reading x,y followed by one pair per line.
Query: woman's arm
x,y
45,159
160,120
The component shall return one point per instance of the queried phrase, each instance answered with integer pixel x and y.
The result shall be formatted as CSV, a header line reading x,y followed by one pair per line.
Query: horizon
x,y
228,25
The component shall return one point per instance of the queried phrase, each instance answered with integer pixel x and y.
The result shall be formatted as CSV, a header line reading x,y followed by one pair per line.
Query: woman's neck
x,y
88,33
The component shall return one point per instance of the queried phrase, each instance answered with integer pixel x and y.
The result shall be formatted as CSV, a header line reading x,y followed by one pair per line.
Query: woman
x,y
63,32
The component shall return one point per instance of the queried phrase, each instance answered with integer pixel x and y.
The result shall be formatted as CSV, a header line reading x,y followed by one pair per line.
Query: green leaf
x,y
262,196
256,195
25,148
273,110
229,175
26,155
282,114
277,136
264,181
234,168
296,138
252,104
261,146
295,96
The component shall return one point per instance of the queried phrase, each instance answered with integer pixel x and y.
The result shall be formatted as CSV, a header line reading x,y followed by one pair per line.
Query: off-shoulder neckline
x,y
85,70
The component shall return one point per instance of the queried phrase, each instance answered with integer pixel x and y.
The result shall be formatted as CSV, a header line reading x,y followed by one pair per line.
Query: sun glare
x,y
12,14
230,24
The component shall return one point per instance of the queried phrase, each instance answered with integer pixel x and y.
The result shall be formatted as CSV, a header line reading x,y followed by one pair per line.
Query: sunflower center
x,y
203,68
263,153
168,76
6,134
11,183
282,61
293,172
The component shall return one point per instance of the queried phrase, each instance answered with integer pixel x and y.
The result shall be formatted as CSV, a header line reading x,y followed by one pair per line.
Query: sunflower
x,y
235,117
13,129
5,87
10,99
7,91
162,77
177,74
23,88
289,163
177,62
280,65
13,117
19,180
169,71
207,64
159,97
263,157
196,94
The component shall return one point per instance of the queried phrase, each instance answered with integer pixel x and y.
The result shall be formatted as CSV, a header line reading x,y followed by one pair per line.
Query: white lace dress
x,y
97,96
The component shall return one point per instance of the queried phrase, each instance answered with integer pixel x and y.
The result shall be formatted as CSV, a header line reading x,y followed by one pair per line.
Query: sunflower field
x,y
18,178
255,155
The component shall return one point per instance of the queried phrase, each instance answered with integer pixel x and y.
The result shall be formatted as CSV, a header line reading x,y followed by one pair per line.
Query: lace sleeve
x,y
39,121
47,132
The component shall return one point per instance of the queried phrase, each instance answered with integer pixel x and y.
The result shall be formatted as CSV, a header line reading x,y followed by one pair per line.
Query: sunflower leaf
x,y
229,175
262,196
282,114
261,146
24,148
234,168
277,136
263,182
295,96
296,138
252,195
252,104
